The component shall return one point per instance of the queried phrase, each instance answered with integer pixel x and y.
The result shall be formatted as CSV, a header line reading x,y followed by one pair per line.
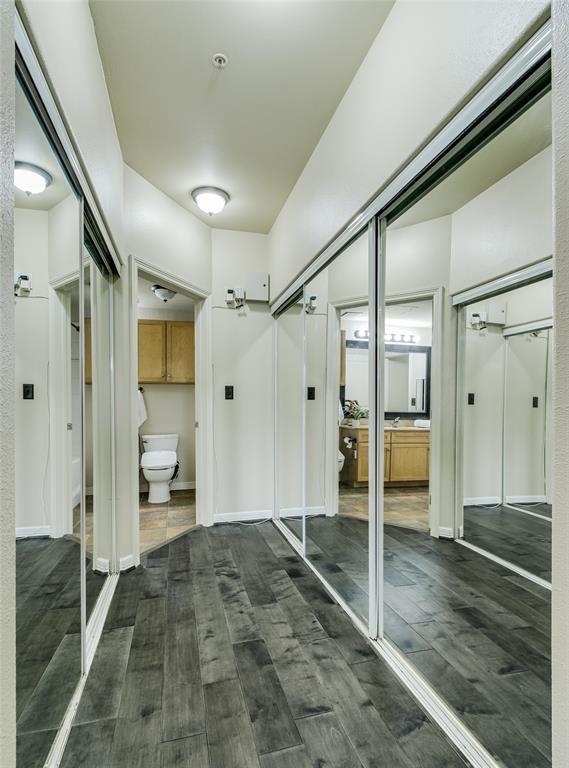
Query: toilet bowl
x,y
159,464
341,460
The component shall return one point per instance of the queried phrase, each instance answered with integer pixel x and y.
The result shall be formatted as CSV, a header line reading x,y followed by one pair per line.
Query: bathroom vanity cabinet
x,y
405,456
166,352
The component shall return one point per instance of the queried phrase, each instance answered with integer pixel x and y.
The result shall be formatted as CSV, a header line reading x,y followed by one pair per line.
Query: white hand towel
x,y
141,408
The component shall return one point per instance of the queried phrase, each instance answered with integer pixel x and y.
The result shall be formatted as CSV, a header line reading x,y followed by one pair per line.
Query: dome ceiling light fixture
x,y
210,200
164,294
30,178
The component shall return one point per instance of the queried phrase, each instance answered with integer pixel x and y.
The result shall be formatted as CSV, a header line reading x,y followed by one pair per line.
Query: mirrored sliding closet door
x,y
49,531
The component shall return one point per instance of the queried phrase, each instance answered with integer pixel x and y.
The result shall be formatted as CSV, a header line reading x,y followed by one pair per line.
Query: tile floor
x,y
161,522
402,506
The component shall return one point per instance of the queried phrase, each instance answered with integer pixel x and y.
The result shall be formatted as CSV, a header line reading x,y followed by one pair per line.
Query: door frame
x,y
205,499
60,406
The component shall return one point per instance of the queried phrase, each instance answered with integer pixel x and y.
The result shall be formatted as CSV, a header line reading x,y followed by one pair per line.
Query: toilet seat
x,y
158,460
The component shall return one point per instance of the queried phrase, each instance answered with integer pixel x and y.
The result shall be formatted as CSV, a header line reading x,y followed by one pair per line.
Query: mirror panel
x,y
48,442
337,426
507,427
290,388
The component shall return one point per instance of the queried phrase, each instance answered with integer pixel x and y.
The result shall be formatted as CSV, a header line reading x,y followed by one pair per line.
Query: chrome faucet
x,y
396,421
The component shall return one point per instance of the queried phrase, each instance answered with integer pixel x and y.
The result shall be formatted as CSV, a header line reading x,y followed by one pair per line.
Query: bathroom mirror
x,y
290,415
48,437
407,381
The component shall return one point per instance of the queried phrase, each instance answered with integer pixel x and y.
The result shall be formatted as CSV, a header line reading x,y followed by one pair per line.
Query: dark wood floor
x,y
223,650
478,632
48,639
540,508
512,535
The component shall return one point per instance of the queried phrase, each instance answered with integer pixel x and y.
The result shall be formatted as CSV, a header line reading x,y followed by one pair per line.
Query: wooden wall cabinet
x,y
166,352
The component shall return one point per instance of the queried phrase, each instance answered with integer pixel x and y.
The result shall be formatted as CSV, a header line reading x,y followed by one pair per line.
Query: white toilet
x,y
341,460
159,463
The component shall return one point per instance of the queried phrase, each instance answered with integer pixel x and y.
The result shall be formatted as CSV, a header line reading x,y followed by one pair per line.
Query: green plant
x,y
353,410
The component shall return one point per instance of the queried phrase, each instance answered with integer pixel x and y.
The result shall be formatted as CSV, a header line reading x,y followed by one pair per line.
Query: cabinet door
x,y
409,463
386,463
151,351
181,353
363,462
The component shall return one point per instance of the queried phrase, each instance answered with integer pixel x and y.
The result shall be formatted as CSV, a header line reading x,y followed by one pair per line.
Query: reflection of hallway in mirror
x,y
477,632
519,538
160,523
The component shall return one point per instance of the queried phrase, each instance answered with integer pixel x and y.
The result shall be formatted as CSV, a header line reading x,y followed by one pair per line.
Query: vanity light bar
x,y
400,338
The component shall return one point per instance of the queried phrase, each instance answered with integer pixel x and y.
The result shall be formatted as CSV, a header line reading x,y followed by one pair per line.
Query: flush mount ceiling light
x,y
164,294
31,179
210,200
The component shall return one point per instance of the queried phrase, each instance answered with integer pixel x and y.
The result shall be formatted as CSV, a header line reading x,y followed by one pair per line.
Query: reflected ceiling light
x,y
31,179
210,200
164,294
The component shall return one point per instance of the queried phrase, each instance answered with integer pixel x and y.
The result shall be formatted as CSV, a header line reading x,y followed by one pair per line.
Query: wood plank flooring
x,y
512,535
477,631
223,651
48,641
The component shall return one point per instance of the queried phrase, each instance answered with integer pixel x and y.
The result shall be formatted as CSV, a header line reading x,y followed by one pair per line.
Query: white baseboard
x,y
446,533
37,530
102,564
183,485
525,499
243,517
299,512
127,562
477,501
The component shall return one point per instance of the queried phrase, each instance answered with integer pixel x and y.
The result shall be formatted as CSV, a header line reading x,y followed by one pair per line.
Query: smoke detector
x,y
219,60
164,294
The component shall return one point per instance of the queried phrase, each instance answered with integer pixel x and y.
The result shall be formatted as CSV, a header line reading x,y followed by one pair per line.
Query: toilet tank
x,y
160,443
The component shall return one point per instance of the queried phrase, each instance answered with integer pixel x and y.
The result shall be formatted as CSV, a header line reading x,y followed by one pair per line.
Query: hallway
x,y
205,663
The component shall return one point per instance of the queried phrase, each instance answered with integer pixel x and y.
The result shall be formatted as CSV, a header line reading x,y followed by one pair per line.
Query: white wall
x,y
162,234
64,238
455,46
484,377
525,440
171,409
504,228
32,359
242,357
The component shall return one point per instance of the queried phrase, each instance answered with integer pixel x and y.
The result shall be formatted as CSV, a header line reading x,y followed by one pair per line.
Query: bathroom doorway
x,y
166,411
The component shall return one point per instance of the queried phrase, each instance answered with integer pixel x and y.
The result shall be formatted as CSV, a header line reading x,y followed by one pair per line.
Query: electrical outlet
x,y
311,393
535,402
229,393
471,398
28,392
